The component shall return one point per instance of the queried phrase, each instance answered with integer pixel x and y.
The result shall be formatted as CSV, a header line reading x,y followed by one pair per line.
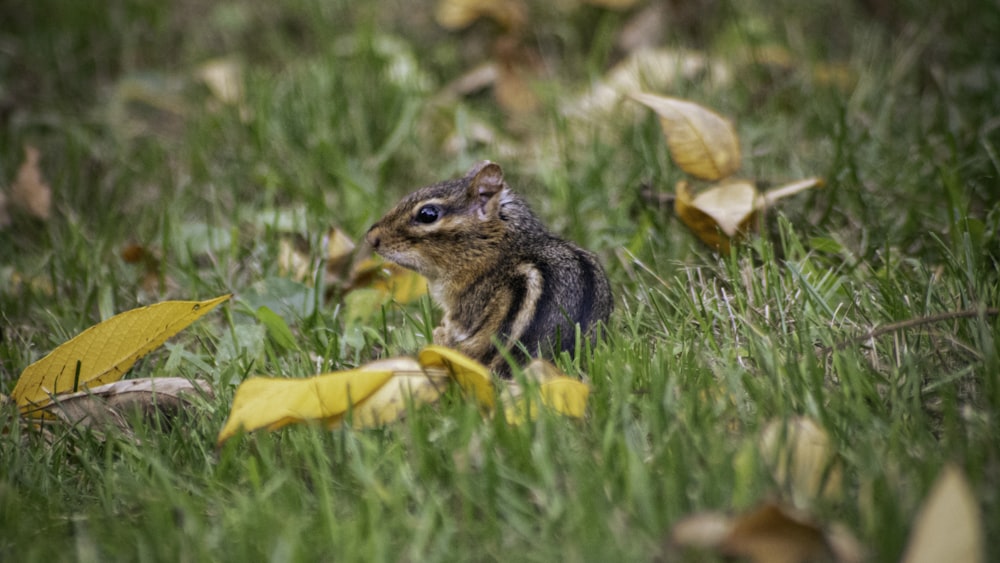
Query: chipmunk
x,y
501,278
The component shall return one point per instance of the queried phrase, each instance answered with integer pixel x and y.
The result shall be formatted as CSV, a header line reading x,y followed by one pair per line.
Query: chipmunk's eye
x,y
428,214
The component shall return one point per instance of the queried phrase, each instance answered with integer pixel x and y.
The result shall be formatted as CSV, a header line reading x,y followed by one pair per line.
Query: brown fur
x,y
495,270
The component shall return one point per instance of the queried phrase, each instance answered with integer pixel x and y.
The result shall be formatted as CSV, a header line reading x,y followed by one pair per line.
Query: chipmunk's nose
x,y
373,238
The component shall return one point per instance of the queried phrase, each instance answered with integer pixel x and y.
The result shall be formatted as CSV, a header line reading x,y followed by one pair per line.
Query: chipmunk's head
x,y
438,229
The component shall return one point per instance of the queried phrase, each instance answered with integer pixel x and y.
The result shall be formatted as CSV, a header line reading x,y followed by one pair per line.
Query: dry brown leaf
x,y
702,142
801,455
108,405
770,533
517,67
30,191
775,534
153,279
948,526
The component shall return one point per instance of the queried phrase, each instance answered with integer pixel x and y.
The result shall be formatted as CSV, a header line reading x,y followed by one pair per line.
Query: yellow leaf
x,y
727,211
271,403
472,376
104,352
405,286
374,395
381,391
566,396
410,384
459,14
718,214
702,143
948,526
801,455
556,391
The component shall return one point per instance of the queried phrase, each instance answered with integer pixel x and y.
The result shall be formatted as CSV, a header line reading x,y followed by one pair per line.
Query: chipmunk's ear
x,y
485,185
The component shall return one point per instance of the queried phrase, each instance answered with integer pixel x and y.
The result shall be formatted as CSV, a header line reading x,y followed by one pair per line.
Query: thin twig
x,y
648,195
910,323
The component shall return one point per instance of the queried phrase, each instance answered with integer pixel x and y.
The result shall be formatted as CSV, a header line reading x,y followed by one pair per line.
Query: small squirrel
x,y
499,275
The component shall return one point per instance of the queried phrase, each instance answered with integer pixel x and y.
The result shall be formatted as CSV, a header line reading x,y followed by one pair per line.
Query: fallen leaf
x,y
470,375
224,78
410,384
517,67
718,214
770,533
646,68
701,142
705,530
729,211
380,392
339,250
30,191
801,456
272,403
556,391
459,14
104,352
775,534
108,404
948,526
374,395
403,285
566,396
293,258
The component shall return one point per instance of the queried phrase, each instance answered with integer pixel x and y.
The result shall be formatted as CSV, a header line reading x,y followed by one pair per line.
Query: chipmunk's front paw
x,y
441,337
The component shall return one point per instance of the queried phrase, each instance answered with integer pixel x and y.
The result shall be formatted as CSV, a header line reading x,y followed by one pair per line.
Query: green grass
x,y
340,118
